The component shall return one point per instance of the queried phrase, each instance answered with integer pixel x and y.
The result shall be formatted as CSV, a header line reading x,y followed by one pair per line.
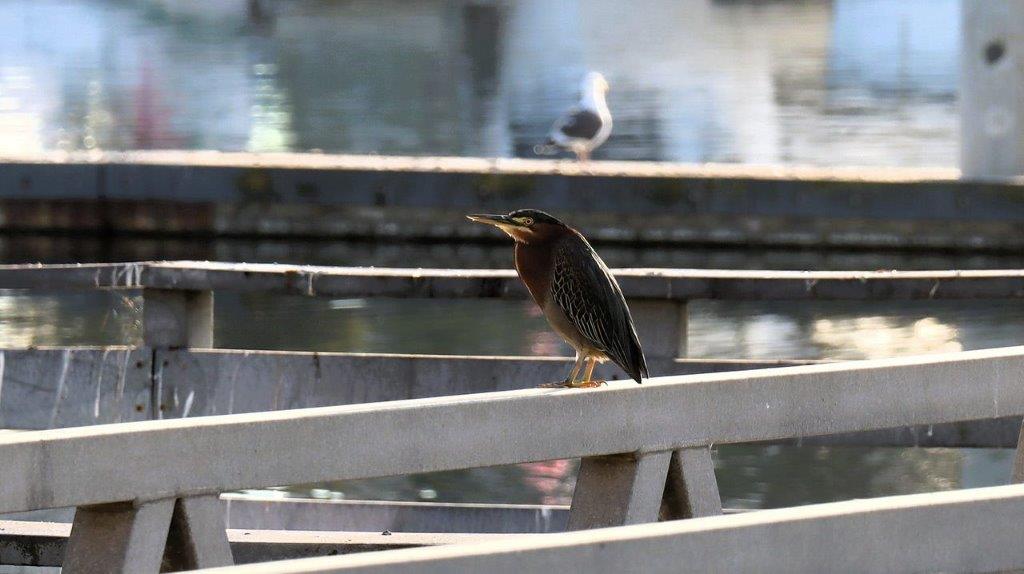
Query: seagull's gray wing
x,y
579,124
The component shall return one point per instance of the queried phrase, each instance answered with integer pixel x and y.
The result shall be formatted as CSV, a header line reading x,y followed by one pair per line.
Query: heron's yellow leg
x,y
587,374
568,382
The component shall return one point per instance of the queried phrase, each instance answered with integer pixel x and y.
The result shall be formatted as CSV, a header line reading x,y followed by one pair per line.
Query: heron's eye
x,y
527,221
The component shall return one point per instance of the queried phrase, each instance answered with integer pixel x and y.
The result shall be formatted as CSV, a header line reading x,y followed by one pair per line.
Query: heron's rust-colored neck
x,y
534,263
535,259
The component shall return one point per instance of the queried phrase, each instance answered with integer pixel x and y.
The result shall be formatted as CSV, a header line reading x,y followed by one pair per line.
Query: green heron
x,y
573,287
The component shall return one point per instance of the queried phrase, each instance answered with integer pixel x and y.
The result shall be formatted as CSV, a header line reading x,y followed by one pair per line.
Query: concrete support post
x,y
992,89
691,490
619,489
197,537
119,537
177,318
1018,460
161,536
661,326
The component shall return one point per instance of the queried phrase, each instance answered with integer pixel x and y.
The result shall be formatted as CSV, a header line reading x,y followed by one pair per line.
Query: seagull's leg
x,y
568,382
587,381
582,154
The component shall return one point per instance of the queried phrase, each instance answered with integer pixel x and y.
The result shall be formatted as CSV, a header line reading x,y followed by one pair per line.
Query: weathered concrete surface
x,y
165,535
254,512
691,490
209,382
377,516
123,537
679,285
359,196
619,489
55,388
33,543
196,537
662,328
1018,460
961,531
657,284
171,457
42,544
176,318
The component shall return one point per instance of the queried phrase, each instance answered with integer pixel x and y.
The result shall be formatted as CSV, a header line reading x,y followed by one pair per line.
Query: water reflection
x,y
850,330
748,476
698,80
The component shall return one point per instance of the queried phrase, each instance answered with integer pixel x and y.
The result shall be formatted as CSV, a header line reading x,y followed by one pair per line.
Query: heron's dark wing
x,y
591,299
580,124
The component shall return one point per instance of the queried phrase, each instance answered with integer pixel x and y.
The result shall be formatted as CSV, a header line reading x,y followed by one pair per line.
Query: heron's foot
x,y
558,385
588,384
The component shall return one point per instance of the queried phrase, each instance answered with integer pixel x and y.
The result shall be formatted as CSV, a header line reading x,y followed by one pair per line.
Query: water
x,y
841,82
868,82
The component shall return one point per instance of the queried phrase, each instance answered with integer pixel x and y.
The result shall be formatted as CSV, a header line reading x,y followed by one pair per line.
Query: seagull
x,y
584,127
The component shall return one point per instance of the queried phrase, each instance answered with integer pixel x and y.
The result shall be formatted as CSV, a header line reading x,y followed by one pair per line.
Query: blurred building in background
x,y
859,82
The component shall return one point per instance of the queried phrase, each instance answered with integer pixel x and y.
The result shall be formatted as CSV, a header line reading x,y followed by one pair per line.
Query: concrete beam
x,y
43,544
678,285
73,386
657,284
256,513
206,382
1018,460
662,327
177,318
960,531
209,382
425,435
189,193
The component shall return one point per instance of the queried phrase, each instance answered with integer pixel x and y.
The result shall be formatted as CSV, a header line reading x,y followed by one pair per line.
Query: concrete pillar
x,y
161,536
177,318
661,326
619,489
1018,460
992,88
119,537
691,490
173,319
197,537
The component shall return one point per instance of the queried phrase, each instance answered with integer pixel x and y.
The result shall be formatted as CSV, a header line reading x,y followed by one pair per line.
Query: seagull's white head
x,y
595,83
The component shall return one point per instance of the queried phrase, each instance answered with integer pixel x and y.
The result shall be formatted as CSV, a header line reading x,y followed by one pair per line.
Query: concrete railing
x,y
962,531
644,448
45,388
75,386
178,296
56,387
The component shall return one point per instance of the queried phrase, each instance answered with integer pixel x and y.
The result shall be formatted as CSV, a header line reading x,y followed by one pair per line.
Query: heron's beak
x,y
495,220
510,226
